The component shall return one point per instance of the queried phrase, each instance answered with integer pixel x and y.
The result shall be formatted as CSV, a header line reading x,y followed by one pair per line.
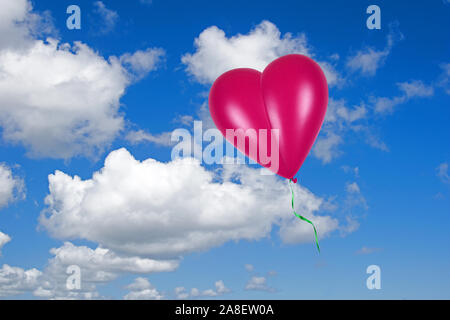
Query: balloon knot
x,y
294,180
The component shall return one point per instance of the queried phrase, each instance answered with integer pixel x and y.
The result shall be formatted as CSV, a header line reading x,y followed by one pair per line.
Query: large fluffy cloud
x,y
159,209
60,100
215,53
97,266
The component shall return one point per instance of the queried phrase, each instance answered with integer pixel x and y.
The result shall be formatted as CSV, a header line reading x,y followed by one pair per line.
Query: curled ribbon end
x,y
302,217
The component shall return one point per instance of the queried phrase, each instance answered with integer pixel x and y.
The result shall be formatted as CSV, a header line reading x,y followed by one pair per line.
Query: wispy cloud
x,y
109,17
408,89
249,267
141,62
442,172
367,250
139,136
368,60
339,120
444,79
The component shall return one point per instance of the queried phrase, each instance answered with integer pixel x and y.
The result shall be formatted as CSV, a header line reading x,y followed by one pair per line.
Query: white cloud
x,y
353,188
142,289
15,280
354,205
258,284
326,147
375,142
369,60
141,62
339,114
249,267
159,209
181,293
4,239
415,88
219,289
97,266
109,17
354,170
339,119
409,89
354,196
18,24
60,100
442,172
108,262
139,136
216,53
11,187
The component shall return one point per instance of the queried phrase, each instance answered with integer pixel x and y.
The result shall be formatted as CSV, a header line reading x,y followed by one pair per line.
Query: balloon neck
x,y
294,180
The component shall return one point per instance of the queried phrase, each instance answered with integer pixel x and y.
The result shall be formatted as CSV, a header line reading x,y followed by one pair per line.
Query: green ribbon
x,y
302,217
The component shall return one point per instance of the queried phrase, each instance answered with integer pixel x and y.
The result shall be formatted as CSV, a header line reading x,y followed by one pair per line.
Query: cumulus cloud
x,y
97,266
258,284
4,239
169,209
108,262
11,187
141,62
19,24
216,53
142,289
219,289
60,100
15,280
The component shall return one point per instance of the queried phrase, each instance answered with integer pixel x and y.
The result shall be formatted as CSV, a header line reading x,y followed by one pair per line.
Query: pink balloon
x,y
290,95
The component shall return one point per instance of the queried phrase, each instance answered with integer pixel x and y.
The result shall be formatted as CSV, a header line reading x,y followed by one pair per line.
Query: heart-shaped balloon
x,y
290,96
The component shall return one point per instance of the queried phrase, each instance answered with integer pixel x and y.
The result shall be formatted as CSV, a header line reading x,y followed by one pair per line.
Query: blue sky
x,y
376,180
